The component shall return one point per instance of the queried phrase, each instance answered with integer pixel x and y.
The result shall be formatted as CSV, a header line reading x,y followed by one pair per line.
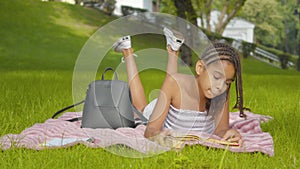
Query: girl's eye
x,y
217,77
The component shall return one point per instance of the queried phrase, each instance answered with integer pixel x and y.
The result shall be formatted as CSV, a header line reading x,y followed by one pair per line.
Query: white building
x,y
237,28
240,29
142,4
66,1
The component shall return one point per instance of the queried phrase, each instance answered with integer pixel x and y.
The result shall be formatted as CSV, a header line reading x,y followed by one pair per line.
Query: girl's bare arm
x,y
161,108
222,126
222,120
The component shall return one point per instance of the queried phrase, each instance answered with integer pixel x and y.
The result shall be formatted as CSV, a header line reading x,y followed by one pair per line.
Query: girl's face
x,y
215,78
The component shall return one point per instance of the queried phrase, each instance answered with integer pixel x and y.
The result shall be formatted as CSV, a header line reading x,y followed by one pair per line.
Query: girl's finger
x,y
227,136
240,142
234,139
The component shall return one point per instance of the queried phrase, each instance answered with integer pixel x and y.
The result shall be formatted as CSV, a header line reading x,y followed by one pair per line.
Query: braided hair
x,y
218,52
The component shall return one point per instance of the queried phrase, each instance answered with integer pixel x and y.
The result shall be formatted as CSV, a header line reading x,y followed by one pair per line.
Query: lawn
x,y
39,45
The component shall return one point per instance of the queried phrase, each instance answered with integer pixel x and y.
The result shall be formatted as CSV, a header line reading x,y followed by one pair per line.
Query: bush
x,y
108,6
284,59
247,48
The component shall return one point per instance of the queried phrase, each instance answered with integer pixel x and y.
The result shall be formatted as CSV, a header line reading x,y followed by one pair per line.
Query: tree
x,y
297,15
291,39
204,8
228,9
77,2
290,22
269,28
167,6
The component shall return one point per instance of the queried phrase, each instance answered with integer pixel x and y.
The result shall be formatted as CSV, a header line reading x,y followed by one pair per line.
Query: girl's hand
x,y
162,138
232,135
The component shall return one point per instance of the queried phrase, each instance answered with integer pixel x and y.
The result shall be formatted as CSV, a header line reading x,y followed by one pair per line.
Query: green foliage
x,y
167,6
284,59
247,48
108,6
267,17
219,4
276,27
284,56
298,64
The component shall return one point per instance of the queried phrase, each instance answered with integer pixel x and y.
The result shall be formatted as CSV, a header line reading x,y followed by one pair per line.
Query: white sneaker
x,y
174,38
122,43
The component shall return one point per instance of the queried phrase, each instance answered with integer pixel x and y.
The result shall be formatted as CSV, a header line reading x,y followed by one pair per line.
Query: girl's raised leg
x,y
174,41
137,91
172,66
135,84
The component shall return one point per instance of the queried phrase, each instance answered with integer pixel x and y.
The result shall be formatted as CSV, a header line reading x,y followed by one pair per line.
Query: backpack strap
x,y
66,108
107,69
142,118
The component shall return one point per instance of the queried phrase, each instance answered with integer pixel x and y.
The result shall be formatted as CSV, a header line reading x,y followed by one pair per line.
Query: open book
x,y
190,137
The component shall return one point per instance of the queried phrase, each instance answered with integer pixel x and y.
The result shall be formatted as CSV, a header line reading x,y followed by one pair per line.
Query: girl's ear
x,y
200,67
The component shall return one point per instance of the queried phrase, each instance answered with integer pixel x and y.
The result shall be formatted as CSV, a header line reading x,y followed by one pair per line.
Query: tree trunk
x,y
222,16
155,4
222,23
192,16
184,8
298,61
77,2
207,14
179,4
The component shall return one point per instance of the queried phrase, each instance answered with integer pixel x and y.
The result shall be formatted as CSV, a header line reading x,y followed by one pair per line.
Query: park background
x,y
40,42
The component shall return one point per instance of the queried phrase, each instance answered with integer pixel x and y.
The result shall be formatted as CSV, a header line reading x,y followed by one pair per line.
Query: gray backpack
x,y
108,104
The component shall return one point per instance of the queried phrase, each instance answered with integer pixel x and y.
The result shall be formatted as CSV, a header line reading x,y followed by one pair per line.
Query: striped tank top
x,y
189,120
180,119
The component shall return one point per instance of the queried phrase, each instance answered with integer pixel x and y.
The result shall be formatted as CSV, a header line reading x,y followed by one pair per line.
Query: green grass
x,y
32,32
38,49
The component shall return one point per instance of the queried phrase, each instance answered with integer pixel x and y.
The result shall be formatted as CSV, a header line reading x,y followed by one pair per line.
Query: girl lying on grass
x,y
186,102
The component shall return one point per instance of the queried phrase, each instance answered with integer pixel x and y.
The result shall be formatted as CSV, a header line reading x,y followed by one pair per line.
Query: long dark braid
x,y
221,51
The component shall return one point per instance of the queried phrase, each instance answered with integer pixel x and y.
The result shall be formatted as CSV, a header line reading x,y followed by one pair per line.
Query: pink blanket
x,y
60,133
